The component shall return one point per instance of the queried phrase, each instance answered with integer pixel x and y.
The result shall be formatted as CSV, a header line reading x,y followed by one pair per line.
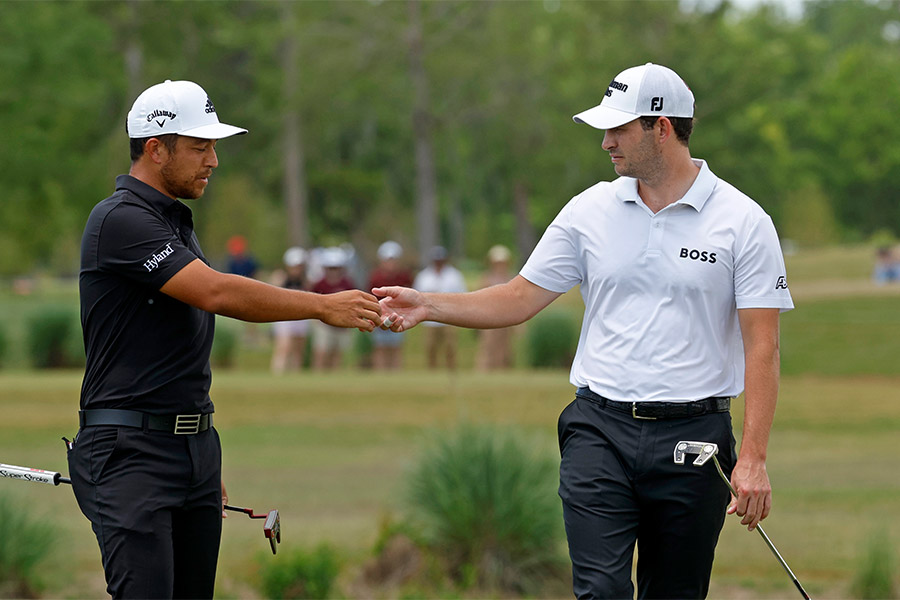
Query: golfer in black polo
x,y
146,464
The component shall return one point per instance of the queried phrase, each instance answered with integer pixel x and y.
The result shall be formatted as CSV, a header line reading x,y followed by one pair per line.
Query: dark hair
x,y
683,126
137,144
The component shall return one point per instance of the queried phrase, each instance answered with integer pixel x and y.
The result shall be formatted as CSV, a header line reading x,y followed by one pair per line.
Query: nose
x,y
608,141
212,159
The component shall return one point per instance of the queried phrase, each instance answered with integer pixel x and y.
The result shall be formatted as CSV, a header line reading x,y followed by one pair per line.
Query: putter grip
x,y
29,474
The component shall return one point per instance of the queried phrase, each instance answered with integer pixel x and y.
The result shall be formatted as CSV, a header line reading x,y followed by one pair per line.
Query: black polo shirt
x,y
145,350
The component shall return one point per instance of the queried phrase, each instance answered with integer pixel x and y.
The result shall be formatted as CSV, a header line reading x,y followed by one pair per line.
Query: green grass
x,y
330,452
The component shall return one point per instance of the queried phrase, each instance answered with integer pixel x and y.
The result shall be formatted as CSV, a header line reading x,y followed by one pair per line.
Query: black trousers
x,y
154,500
620,485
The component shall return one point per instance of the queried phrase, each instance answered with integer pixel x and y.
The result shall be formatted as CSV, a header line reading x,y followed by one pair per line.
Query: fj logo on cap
x,y
656,104
209,106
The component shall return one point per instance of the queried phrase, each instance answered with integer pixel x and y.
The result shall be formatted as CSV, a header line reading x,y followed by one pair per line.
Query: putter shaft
x,y
762,534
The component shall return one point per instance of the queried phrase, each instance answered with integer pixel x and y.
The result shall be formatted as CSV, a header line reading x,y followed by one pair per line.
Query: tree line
x,y
439,122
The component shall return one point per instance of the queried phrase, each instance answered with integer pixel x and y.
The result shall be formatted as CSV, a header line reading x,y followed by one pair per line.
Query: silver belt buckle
x,y
637,416
187,424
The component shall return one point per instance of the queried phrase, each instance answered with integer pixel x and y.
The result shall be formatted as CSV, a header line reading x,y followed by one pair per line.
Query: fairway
x,y
330,452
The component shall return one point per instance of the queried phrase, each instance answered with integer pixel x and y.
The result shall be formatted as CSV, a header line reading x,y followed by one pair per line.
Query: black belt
x,y
660,410
178,424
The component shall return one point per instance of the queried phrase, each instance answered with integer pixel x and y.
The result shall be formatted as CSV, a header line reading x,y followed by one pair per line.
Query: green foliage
x,y
552,340
26,542
4,344
485,501
876,573
301,574
784,107
224,347
53,334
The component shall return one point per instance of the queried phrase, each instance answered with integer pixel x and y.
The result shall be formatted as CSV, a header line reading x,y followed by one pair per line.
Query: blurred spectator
x,y
240,262
290,336
440,277
495,345
330,343
887,265
387,351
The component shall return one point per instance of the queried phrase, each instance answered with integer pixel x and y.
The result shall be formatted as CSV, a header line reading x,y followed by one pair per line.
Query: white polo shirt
x,y
661,291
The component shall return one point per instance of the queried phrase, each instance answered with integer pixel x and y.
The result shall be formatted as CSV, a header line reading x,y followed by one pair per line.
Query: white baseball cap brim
x,y
216,131
604,117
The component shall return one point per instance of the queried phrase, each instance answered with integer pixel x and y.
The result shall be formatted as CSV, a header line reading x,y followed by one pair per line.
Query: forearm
x,y
251,300
489,308
760,397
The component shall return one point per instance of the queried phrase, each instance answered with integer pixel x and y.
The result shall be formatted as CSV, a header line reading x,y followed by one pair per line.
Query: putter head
x,y
272,529
703,450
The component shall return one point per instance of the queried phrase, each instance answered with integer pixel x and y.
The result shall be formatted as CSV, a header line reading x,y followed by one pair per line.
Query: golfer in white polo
x,y
683,281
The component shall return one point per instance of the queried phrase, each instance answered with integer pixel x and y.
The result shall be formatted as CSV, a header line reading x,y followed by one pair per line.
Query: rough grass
x,y
330,452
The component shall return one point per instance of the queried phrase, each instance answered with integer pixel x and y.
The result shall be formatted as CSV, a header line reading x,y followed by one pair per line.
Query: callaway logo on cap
x,y
180,107
647,90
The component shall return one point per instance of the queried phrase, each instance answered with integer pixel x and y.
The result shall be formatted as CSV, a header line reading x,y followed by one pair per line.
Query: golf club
x,y
271,527
707,450
35,475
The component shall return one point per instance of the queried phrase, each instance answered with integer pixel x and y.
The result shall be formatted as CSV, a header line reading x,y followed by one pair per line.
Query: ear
x,y
665,129
156,151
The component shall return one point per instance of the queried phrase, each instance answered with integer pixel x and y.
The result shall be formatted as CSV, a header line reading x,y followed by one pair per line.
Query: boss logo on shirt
x,y
158,258
701,255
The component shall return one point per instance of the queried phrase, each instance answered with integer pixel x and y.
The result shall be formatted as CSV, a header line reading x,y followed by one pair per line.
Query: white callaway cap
x,y
180,107
646,91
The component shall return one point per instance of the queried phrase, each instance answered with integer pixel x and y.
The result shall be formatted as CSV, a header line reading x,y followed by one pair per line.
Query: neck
x,y
669,184
151,177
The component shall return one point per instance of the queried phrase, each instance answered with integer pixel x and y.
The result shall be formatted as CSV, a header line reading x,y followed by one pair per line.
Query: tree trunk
x,y
426,178
525,236
294,183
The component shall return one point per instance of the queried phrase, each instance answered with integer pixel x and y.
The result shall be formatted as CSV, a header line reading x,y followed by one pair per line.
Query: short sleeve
x,y
760,278
139,245
555,264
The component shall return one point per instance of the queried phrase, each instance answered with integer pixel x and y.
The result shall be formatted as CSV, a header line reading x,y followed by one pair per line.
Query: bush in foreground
x,y
53,336
301,574
485,503
875,574
25,543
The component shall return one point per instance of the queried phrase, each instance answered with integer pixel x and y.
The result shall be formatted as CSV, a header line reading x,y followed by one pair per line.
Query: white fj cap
x,y
294,256
647,90
180,107
390,249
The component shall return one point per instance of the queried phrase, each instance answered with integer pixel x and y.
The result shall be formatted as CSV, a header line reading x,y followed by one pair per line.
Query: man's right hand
x,y
403,308
351,308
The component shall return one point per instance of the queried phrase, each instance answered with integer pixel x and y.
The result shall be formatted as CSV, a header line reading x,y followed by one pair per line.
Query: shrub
x,y
875,573
52,335
25,543
302,574
552,340
224,347
486,502
3,345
